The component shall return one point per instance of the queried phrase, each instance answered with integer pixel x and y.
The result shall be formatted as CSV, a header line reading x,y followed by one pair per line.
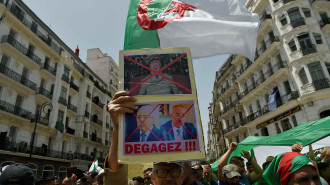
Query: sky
x,y
101,24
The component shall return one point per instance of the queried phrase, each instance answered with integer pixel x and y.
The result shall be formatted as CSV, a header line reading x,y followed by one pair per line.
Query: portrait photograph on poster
x,y
156,73
161,127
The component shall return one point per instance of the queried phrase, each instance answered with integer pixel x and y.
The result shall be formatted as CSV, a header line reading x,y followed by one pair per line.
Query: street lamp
x,y
46,108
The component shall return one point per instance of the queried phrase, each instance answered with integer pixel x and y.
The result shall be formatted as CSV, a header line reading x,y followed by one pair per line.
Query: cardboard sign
x,y
166,126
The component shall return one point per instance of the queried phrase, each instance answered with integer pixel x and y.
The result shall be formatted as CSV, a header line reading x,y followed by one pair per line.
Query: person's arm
x,y
327,155
257,173
224,159
116,107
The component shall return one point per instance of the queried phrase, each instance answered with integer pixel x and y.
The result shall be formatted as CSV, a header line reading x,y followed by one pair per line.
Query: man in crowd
x,y
188,175
146,175
231,175
115,173
158,85
17,174
138,180
198,172
147,131
239,162
207,176
181,130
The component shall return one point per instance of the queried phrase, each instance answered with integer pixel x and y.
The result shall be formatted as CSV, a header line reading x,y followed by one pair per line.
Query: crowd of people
x,y
290,168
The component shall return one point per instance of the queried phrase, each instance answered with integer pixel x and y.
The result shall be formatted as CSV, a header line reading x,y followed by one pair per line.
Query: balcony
x,y
17,77
97,102
244,67
87,114
85,134
78,68
74,86
62,101
298,22
309,50
65,78
48,68
44,92
18,111
88,94
20,47
321,84
84,157
20,16
72,107
96,120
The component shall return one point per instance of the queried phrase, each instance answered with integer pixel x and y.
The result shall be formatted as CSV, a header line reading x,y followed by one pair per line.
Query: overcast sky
x,y
101,24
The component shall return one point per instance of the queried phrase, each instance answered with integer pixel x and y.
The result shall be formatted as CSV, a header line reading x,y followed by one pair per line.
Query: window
x,y
237,139
63,93
278,130
292,45
62,172
283,20
327,65
48,171
306,43
60,116
34,168
295,17
264,131
294,120
307,12
4,60
316,71
317,38
286,125
302,76
66,72
287,87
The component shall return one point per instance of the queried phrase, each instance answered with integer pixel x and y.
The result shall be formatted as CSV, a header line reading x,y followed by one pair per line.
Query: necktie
x,y
179,134
143,137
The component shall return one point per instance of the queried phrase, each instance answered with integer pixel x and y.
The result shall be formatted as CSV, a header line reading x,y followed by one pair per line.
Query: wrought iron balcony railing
x,y
72,107
44,92
49,69
298,22
17,77
62,101
18,111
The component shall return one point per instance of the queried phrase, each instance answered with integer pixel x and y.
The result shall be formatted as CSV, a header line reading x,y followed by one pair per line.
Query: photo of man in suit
x,y
147,131
178,123
158,85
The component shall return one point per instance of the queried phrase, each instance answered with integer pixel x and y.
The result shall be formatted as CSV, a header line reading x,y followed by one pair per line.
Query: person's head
x,y
198,172
146,175
207,173
143,114
155,63
324,169
177,115
17,174
188,174
138,180
307,175
91,178
239,162
231,174
67,181
167,173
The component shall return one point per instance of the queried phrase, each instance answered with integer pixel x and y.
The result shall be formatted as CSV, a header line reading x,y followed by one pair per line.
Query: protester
x,y
17,174
91,177
324,170
239,162
291,168
170,173
158,85
198,172
231,175
207,176
146,175
188,175
138,180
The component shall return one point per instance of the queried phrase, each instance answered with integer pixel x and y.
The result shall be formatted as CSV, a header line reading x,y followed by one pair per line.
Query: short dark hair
x,y
322,166
147,170
138,179
94,174
235,160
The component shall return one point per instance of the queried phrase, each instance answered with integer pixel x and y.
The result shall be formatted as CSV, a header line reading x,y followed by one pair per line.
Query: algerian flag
x,y
60,129
207,27
94,165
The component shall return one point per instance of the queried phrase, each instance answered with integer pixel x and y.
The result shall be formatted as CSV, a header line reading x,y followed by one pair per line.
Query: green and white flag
x,y
94,165
208,27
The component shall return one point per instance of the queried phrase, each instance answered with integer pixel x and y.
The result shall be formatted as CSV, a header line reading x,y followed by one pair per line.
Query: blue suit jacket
x,y
170,136
136,136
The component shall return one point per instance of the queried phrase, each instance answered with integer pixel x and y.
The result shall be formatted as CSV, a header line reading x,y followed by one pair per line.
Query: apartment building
x,y
53,112
285,85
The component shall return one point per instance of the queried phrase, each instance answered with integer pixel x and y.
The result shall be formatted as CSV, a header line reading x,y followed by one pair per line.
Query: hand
x,y
233,146
246,155
297,147
118,106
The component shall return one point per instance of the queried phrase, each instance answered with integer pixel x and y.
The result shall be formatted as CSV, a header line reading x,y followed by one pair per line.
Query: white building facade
x,y
285,85
45,86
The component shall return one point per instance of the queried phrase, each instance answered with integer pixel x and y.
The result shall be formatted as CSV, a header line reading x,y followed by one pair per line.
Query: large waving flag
x,y
94,165
207,27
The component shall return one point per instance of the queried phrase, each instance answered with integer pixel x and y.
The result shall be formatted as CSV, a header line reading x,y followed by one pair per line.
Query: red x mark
x,y
158,73
177,121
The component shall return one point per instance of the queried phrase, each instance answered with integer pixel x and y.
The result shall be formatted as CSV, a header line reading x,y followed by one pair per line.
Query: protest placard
x,y
166,126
